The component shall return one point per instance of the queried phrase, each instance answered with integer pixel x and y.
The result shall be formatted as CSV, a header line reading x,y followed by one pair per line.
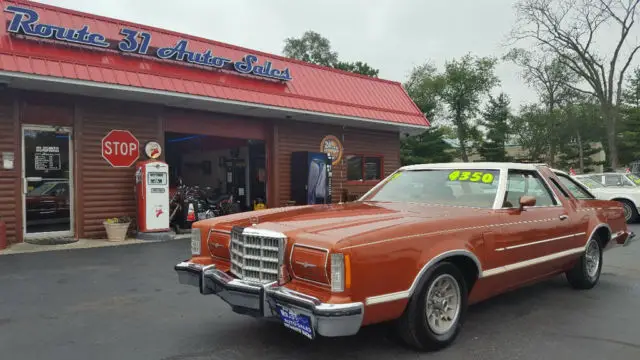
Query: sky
x,y
390,35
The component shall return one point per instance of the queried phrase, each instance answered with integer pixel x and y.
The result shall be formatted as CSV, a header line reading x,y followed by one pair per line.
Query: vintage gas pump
x,y
152,191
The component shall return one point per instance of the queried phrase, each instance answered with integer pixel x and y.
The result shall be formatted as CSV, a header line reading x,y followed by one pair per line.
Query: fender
x,y
379,299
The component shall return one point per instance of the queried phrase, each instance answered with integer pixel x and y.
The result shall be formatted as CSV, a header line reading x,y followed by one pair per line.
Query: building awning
x,y
54,49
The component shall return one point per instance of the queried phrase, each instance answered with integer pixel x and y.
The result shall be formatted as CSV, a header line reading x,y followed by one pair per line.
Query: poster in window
x,y
47,158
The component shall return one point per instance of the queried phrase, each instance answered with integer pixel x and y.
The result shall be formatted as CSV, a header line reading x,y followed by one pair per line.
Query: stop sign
x,y
120,148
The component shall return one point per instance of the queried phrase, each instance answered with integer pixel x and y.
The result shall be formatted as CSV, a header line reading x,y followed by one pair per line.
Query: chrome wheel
x,y
592,258
628,211
443,304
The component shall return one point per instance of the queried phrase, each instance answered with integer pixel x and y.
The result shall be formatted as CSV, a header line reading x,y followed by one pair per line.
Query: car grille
x,y
256,255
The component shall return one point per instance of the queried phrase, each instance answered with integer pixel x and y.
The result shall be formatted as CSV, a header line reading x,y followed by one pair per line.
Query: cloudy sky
x,y
392,36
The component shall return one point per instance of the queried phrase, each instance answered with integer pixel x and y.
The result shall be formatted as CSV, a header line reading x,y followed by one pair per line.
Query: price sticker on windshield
x,y
471,176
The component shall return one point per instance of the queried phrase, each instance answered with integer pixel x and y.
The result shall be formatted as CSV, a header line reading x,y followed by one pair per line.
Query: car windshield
x,y
590,183
457,187
634,179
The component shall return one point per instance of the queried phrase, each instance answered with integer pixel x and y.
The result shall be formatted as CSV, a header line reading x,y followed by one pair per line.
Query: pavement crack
x,y
602,339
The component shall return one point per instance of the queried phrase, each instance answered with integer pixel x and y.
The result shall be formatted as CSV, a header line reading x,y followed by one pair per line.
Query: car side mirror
x,y
527,201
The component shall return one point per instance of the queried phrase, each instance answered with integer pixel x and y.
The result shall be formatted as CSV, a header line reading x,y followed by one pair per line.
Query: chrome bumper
x,y
257,300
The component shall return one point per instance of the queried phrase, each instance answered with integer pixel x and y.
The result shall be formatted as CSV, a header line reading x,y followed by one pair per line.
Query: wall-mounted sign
x,y
120,148
25,22
152,149
332,146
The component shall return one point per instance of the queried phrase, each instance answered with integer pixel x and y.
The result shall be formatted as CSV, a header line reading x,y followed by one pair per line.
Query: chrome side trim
x,y
378,299
326,263
540,242
531,262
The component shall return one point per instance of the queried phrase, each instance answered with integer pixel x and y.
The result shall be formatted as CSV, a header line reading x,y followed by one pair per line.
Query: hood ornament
x,y
254,220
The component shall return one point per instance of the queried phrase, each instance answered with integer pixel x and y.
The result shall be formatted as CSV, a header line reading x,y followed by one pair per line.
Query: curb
x,y
26,248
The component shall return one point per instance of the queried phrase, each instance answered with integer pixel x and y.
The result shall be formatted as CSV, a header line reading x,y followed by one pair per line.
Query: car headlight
x,y
340,272
196,241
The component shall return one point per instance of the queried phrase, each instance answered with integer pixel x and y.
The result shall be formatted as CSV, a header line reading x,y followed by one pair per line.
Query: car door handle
x,y
563,217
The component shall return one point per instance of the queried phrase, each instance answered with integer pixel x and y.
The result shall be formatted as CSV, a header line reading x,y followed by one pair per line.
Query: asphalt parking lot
x,y
124,303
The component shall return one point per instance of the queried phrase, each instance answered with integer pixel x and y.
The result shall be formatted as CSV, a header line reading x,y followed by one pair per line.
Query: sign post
x,y
120,148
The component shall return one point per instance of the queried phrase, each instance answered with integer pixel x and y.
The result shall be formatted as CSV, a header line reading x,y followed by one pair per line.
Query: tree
x,y
463,85
423,86
529,129
496,119
551,79
313,48
581,127
357,67
569,29
427,147
630,120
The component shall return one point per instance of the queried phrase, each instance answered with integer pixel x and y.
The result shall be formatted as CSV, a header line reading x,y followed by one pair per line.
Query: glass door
x,y
47,181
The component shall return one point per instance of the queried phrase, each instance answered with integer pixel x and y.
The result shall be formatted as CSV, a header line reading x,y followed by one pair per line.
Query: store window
x,y
364,168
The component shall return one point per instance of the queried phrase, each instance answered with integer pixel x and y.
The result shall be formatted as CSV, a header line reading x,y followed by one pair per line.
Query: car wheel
x,y
630,211
436,311
586,273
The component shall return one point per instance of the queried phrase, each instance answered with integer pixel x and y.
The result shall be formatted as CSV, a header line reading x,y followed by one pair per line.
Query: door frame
x,y
51,234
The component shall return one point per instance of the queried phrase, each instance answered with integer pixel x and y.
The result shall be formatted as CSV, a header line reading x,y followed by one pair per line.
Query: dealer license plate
x,y
299,323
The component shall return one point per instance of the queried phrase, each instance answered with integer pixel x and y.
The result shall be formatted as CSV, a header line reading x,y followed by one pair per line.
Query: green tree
x,y
423,86
427,147
496,120
581,128
311,47
569,29
357,67
314,48
552,80
529,130
463,85
630,120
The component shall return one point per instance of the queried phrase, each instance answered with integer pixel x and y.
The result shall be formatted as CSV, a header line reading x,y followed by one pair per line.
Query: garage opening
x,y
213,176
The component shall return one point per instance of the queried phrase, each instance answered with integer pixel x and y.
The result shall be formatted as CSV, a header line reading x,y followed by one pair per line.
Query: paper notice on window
x,y
7,160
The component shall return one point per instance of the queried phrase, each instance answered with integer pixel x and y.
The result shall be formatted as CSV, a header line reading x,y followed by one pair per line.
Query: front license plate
x,y
299,323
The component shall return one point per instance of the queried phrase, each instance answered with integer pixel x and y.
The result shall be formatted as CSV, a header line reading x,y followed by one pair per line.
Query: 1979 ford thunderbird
x,y
418,248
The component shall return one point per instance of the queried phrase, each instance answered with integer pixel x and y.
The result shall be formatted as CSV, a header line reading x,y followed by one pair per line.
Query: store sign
x,y
152,149
332,146
120,148
25,22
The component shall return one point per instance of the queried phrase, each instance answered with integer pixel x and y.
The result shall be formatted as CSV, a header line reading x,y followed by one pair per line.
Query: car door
x,y
527,244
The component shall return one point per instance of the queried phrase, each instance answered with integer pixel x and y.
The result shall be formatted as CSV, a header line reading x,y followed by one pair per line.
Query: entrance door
x,y
47,181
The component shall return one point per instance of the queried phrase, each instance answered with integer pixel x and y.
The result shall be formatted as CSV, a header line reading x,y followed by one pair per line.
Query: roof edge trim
x,y
10,74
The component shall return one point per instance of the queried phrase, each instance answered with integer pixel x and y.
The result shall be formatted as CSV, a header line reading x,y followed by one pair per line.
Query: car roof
x,y
473,165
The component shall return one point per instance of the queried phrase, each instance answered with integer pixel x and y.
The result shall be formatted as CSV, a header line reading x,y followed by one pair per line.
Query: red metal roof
x,y
313,88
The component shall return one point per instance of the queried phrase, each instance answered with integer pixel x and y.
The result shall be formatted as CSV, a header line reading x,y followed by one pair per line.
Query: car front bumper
x,y
262,300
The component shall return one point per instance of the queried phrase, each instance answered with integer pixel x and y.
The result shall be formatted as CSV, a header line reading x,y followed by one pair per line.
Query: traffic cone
x,y
191,213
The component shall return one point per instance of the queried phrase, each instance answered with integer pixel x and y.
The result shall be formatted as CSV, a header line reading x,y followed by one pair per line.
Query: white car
x,y
627,194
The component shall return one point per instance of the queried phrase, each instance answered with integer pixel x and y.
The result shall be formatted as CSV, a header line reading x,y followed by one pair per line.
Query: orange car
x,y
418,248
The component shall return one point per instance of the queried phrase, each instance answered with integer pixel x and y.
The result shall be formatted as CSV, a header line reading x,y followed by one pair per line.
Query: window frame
x,y
363,156
556,202
578,184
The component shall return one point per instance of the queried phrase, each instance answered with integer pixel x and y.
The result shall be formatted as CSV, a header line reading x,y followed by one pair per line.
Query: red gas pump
x,y
152,192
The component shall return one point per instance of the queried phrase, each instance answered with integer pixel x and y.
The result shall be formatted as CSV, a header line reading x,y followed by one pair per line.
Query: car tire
x,y
586,273
415,327
630,211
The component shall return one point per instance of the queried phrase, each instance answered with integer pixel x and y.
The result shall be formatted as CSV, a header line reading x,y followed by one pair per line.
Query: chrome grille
x,y
256,255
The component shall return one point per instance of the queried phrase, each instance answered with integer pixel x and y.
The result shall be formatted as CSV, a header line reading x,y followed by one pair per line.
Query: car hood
x,y
326,225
